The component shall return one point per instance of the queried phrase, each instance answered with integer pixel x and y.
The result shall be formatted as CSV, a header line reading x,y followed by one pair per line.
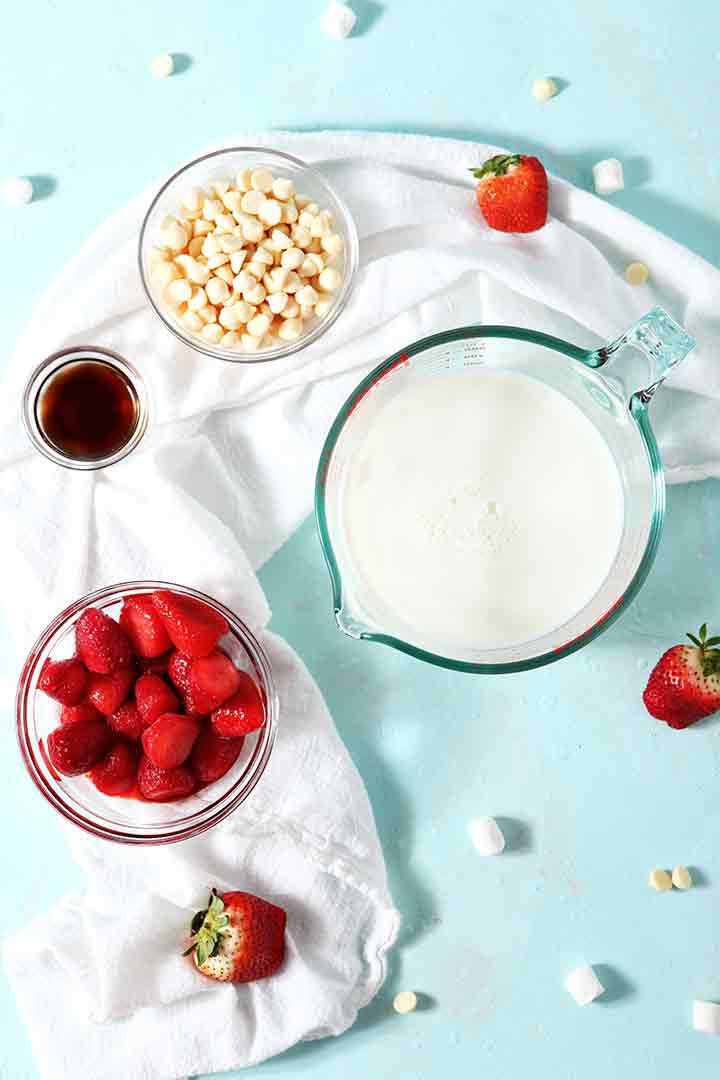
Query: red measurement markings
x,y
327,455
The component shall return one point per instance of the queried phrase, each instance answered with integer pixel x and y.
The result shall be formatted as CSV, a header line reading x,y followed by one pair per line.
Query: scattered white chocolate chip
x,y
338,20
544,89
583,984
682,878
486,836
405,1002
706,1017
608,176
162,66
17,190
660,880
636,273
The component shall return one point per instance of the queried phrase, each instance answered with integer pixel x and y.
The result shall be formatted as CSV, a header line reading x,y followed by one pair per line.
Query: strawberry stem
x,y
496,166
709,656
207,928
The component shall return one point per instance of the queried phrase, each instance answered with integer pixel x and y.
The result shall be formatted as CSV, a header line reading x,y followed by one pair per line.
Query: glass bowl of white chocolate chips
x,y
247,254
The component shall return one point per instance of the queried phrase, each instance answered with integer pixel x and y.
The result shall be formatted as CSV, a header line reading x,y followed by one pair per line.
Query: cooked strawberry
x,y
164,785
212,756
144,627
169,740
70,714
115,774
512,193
63,680
193,627
238,938
179,671
213,680
127,721
154,697
75,748
101,644
684,685
242,713
107,692
155,665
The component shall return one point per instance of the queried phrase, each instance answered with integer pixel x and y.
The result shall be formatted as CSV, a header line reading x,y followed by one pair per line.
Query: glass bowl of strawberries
x,y
146,712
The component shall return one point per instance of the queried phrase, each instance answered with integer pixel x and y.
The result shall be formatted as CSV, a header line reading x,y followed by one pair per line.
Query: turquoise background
x,y
591,791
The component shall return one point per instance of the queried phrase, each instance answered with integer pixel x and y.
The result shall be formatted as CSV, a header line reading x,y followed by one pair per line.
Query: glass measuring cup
x,y
612,386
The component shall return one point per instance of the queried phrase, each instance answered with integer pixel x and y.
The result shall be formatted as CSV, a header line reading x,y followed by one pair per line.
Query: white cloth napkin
x,y
221,480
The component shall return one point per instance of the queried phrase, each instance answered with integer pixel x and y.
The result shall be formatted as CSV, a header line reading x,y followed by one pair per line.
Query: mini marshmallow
x,y
338,20
660,880
682,878
608,176
636,273
584,984
162,66
405,1002
486,836
544,89
706,1017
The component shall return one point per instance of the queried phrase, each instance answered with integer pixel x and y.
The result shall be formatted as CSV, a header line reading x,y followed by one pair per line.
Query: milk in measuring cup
x,y
481,508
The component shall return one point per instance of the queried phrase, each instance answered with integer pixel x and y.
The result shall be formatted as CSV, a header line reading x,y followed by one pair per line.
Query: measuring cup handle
x,y
638,361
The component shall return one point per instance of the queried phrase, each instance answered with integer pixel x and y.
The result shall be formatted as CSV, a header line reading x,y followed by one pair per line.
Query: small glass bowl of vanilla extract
x,y
85,408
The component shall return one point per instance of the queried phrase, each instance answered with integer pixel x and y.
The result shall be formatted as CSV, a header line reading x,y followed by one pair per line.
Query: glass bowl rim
x,y
324,324
638,409
164,832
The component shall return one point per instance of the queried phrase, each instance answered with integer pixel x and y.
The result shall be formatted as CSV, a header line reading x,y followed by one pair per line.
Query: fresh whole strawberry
x,y
127,721
101,644
107,692
75,748
115,774
212,756
70,714
684,685
512,193
63,680
238,938
194,628
154,697
242,713
179,671
169,740
144,627
164,785
213,680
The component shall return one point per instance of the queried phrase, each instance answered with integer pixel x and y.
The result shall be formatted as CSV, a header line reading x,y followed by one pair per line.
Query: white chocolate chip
x,y
255,295
302,237
307,268
252,201
201,227
405,1002
230,340
290,212
229,318
277,301
292,282
231,244
292,258
211,246
290,330
212,332
324,305
192,321
486,836
584,985
224,223
178,292
261,180
291,309
250,343
283,189
244,311
217,290
544,89
162,66
270,212
225,273
307,297
194,248
608,176
217,260
173,234
706,1017
208,313
17,190
329,279
237,259
193,199
281,240
165,272
198,299
333,243
211,209
253,231
681,878
244,280
242,180
258,326
263,256
660,880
